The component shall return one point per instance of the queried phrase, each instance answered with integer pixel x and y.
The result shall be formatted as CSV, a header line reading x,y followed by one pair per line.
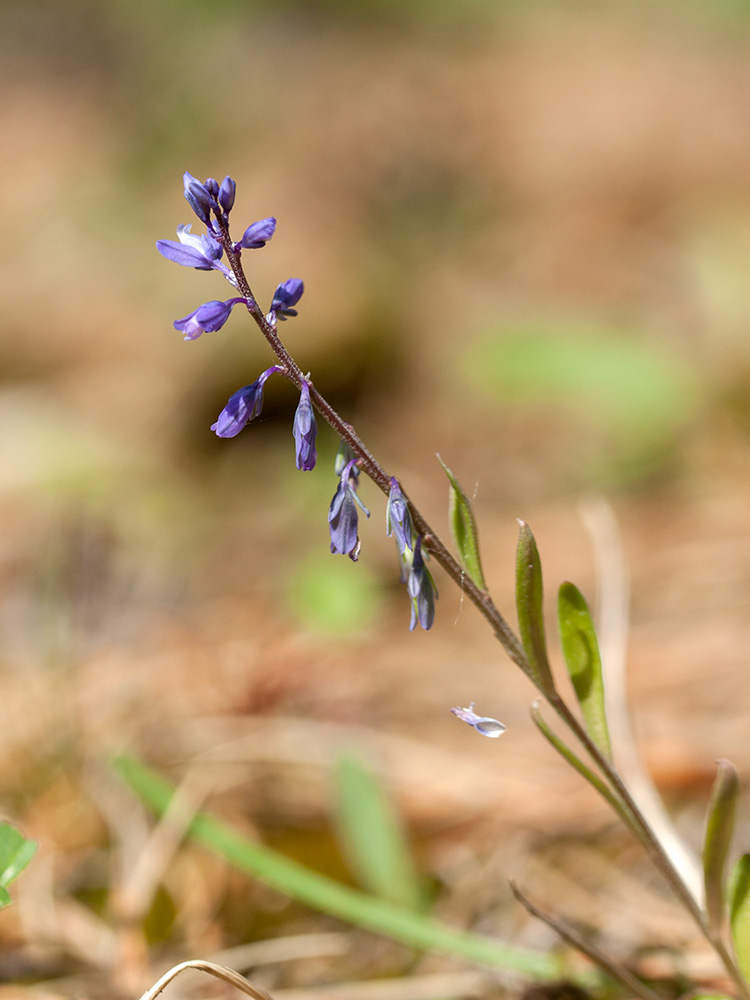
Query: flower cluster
x,y
212,203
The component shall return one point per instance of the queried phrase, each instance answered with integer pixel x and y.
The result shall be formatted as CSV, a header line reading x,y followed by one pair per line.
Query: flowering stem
x,y
372,468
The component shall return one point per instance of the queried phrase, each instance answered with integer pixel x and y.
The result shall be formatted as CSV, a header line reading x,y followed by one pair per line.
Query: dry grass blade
x,y
219,971
569,934
613,595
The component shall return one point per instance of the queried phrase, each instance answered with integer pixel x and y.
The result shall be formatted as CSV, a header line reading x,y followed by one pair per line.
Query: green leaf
x,y
581,651
719,829
327,896
464,528
15,853
529,608
739,913
577,764
372,837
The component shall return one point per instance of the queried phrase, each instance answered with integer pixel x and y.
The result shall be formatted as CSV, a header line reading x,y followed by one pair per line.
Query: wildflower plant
x,y
721,908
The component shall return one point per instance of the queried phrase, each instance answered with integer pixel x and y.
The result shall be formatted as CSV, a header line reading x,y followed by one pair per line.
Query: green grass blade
x,y
581,651
372,837
15,853
324,894
529,608
464,528
739,913
717,841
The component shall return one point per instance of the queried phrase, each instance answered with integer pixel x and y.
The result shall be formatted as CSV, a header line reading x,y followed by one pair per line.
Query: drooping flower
x,y
286,296
482,724
398,519
305,431
208,318
242,406
257,235
190,250
343,517
422,591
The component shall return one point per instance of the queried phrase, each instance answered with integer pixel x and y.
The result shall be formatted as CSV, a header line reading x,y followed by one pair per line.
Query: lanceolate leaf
x,y
529,609
739,913
719,830
581,651
15,853
464,529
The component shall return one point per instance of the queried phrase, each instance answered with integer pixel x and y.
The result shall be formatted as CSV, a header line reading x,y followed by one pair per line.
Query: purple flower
x,y
398,518
483,725
201,252
422,591
208,197
343,517
285,297
257,235
305,431
199,197
243,405
226,194
209,317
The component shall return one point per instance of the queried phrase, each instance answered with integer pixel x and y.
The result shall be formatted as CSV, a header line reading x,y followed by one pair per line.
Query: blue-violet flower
x,y
343,517
305,431
422,591
243,405
201,252
285,297
199,197
257,235
398,519
227,192
209,317
483,725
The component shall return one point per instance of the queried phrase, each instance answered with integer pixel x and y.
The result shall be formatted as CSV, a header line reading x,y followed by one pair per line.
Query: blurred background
x,y
524,231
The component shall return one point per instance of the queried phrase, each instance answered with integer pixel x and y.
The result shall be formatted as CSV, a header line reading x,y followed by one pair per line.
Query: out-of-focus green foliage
x,y
623,387
15,853
373,839
332,594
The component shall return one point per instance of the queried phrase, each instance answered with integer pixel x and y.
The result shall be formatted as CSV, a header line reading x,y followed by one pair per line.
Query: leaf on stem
x,y
372,836
739,913
529,609
464,528
15,853
718,838
581,651
577,764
